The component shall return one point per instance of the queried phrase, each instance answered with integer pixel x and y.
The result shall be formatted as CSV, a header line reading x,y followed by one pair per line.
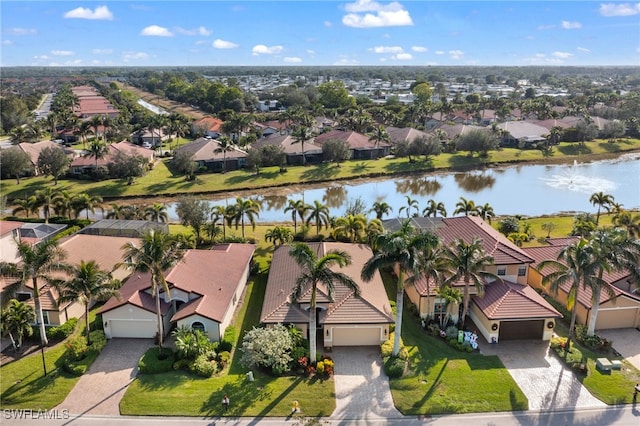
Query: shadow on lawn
x,y
320,172
23,391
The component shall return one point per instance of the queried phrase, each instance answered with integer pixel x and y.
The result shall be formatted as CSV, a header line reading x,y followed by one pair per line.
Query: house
x,y
621,311
362,148
454,130
292,148
206,154
204,292
9,234
523,134
33,150
408,134
208,126
509,309
149,139
346,320
90,103
86,163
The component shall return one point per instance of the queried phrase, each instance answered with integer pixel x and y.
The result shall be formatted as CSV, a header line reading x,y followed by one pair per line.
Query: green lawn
x,y
161,181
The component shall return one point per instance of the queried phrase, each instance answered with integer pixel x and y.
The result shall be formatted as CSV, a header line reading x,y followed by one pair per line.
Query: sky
x,y
315,33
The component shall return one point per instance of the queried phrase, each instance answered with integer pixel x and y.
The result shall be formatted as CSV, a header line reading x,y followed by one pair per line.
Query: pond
x,y
531,190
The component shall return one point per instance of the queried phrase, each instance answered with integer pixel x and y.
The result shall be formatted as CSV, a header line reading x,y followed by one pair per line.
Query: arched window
x,y
197,326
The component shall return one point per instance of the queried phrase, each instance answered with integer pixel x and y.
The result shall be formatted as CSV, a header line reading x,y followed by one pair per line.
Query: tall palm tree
x,y
433,208
86,202
298,208
225,144
381,208
279,235
351,226
602,200
318,270
45,199
319,214
246,208
302,134
88,284
96,121
400,250
98,150
467,261
158,252
486,212
156,213
612,250
451,296
24,205
466,207
16,319
218,213
629,222
573,266
432,268
411,204
379,135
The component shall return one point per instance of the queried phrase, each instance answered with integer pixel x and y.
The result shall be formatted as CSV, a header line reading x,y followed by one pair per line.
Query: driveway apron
x,y
545,381
626,341
100,390
362,388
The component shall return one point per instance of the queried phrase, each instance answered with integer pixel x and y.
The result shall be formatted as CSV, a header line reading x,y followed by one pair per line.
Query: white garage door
x,y
134,329
356,336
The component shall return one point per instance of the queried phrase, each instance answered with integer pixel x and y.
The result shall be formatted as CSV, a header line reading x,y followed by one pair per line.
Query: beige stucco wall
x,y
211,327
8,248
511,272
624,313
483,323
241,285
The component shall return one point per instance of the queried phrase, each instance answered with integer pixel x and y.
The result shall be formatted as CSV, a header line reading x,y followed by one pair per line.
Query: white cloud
x,y
102,51
439,52
529,38
419,48
156,31
292,60
21,31
100,12
387,49
223,44
402,56
311,52
201,42
584,49
328,24
562,55
261,49
41,57
61,53
134,56
456,54
545,27
7,42
567,25
390,15
201,31
616,9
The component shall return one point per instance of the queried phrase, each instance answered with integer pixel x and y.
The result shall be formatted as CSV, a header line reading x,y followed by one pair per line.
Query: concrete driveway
x,y
546,382
100,390
362,389
626,341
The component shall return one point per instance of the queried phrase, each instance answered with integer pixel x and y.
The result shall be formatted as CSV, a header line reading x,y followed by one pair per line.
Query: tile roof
x,y
288,144
506,300
211,124
7,226
523,129
33,150
372,307
354,139
204,149
135,292
398,134
124,147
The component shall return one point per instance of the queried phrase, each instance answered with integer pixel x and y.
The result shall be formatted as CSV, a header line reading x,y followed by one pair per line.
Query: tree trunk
x,y
572,325
595,303
36,302
465,304
13,343
159,314
312,334
399,309
86,316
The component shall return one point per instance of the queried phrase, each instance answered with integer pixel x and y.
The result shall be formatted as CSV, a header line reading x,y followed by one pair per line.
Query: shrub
x,y
223,358
230,334
190,343
154,362
183,364
394,367
204,367
268,347
76,347
225,346
592,342
452,332
73,368
386,349
63,331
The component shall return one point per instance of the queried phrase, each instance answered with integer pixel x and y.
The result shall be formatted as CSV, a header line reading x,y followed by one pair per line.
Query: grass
x,y
162,182
24,385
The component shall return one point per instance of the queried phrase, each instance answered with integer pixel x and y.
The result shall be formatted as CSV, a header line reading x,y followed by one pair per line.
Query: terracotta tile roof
x,y
354,139
8,226
33,150
204,149
124,147
288,144
135,291
372,307
398,134
210,124
506,300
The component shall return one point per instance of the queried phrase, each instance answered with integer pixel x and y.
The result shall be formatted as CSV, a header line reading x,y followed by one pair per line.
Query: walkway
x,y
100,390
362,389
626,341
545,381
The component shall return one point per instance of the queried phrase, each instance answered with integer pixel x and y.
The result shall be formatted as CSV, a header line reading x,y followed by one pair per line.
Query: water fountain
x,y
573,180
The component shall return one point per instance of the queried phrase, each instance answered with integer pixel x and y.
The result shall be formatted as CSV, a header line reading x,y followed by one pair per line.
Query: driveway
x,y
545,381
100,390
362,388
626,341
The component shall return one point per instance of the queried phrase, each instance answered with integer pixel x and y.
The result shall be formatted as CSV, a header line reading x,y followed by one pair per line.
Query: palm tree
x,y
612,250
225,144
246,208
630,222
574,266
302,134
602,200
433,208
279,235
98,150
486,212
88,283
86,202
467,261
96,121
432,268
400,250
351,226
451,296
319,214
158,252
218,213
411,203
319,271
298,208
26,205
157,213
37,262
380,208
45,199
380,134
16,319
468,207
83,131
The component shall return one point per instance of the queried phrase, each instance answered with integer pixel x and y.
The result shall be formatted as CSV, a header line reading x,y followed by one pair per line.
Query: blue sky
x,y
360,32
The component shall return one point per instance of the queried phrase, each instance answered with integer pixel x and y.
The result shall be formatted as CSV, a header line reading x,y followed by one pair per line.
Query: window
x,y
502,271
45,316
22,296
522,271
197,326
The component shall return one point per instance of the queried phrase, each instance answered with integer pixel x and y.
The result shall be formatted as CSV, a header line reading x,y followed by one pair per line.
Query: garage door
x,y
356,336
133,329
520,330
622,318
